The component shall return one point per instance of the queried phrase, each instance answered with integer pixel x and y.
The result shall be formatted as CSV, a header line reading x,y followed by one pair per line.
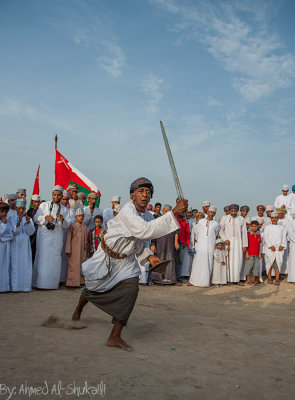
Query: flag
x,y
66,173
36,189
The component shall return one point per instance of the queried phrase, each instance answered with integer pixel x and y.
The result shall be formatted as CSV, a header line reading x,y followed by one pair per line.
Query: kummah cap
x,y
79,211
81,194
35,197
141,182
245,208
4,206
92,195
234,207
206,203
12,197
57,187
260,220
281,210
269,208
20,203
260,206
117,208
167,206
293,188
65,195
274,214
285,187
212,208
21,191
73,187
219,241
226,208
116,198
4,198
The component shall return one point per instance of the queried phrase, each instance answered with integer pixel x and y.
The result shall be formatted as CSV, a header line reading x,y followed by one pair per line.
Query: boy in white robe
x,y
21,252
275,242
203,240
219,274
282,200
6,235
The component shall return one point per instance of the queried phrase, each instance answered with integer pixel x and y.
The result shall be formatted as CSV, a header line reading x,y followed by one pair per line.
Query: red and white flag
x,y
66,173
36,188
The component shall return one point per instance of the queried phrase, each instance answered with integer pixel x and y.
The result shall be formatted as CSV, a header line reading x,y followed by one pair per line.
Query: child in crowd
x,y
20,251
76,250
6,235
219,275
95,235
253,253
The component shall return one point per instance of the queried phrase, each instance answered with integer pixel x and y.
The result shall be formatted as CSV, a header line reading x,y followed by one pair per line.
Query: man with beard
x,y
111,275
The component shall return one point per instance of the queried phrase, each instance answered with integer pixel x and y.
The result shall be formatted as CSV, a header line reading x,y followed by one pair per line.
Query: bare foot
x,y
76,316
118,342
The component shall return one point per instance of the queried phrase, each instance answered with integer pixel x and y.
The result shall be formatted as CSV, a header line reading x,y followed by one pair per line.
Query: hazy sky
x,y
103,73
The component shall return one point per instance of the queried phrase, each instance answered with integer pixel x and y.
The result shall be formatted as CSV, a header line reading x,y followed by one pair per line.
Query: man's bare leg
x,y
82,303
115,337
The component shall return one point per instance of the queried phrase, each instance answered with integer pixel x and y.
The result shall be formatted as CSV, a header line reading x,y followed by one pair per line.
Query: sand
x,y
190,343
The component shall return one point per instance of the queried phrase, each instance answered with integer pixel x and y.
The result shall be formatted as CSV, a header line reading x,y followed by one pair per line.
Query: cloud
x,y
113,61
151,87
88,24
15,109
241,38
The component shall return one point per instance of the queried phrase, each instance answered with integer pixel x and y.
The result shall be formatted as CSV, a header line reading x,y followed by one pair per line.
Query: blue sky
x,y
102,74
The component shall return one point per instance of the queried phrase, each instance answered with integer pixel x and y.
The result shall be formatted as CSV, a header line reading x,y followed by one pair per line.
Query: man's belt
x,y
110,252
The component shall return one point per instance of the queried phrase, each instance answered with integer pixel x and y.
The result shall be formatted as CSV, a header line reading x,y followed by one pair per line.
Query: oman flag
x,y
66,173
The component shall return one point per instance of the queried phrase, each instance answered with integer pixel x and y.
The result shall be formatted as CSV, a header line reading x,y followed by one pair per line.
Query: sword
x,y
172,166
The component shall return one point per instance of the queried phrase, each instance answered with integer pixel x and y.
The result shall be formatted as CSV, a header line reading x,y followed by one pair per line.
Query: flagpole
x,y
55,140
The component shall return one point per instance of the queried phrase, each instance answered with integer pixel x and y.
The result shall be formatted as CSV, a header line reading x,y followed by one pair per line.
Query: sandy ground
x,y
190,343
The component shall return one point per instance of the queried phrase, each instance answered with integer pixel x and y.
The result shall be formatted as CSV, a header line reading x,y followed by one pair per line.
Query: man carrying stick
x,y
111,275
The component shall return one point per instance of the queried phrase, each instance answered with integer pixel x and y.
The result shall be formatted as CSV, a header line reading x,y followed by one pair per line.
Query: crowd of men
x,y
44,244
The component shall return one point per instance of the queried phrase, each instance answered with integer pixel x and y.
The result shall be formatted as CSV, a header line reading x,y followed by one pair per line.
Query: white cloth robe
x,y
234,230
274,235
219,274
6,235
107,215
21,257
89,218
291,205
281,200
291,258
284,269
129,234
47,265
203,239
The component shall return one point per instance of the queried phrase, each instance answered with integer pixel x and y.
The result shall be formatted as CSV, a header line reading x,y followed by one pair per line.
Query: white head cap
x,y
285,187
274,214
79,211
212,208
117,208
206,203
116,198
269,208
36,197
57,187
